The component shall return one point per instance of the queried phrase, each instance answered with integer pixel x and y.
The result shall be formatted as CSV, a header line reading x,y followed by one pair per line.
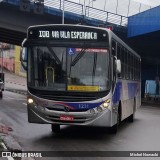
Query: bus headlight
x,y
106,104
30,100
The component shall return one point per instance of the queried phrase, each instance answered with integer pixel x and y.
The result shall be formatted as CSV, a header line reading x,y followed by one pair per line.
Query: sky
x,y
123,7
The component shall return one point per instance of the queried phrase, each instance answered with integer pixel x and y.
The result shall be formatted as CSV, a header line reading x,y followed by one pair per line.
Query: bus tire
x,y
1,95
132,116
55,128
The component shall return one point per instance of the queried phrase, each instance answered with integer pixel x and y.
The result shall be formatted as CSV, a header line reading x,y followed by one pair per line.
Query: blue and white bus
x,y
80,75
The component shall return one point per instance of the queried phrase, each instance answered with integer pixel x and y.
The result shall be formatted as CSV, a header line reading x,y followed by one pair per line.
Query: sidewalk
x,y
18,84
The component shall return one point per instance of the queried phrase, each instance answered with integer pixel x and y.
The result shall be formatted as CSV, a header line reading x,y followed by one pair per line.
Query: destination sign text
x,y
68,35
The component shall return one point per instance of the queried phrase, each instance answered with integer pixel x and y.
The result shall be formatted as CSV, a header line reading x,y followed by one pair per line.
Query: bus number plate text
x,y
66,118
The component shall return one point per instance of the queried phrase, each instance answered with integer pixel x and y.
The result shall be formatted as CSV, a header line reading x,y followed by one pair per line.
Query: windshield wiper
x,y
78,57
94,66
54,55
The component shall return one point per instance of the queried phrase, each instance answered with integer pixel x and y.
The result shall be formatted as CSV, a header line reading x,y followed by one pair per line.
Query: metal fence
x,y
78,9
52,4
72,7
69,6
106,16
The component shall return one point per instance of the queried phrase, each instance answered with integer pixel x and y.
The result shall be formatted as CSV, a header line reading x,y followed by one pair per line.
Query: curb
x,y
150,102
20,84
24,92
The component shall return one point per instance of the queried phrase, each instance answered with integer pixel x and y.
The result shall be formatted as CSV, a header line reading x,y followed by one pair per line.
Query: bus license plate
x,y
66,118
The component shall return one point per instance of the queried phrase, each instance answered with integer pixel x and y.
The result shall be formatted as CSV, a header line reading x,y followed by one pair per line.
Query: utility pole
x,y
1,49
63,13
117,7
105,5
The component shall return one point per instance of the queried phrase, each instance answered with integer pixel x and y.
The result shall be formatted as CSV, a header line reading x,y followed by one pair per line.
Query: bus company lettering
x,y
68,35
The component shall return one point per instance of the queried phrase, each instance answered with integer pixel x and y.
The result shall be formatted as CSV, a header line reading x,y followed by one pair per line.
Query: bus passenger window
x,y
118,52
126,64
123,62
113,48
119,57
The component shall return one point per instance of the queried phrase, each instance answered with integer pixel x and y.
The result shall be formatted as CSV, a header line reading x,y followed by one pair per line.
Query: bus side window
x,y
129,65
139,67
113,48
134,65
119,57
123,62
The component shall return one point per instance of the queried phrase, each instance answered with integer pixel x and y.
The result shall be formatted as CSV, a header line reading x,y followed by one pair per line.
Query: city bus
x,y
80,75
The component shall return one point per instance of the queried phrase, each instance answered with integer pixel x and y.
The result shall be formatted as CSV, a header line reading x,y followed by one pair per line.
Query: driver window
x,y
113,48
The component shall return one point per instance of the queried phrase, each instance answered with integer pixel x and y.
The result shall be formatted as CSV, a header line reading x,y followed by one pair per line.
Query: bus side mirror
x,y
118,66
23,57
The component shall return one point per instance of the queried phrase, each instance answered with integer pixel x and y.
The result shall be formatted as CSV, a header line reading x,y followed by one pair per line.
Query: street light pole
x,y
2,59
105,5
1,50
117,7
90,1
63,13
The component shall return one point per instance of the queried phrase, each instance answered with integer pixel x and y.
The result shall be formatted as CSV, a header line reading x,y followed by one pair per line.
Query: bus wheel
x,y
1,95
131,117
55,128
114,128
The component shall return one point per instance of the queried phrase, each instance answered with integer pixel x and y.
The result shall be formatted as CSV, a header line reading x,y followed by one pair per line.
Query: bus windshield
x,y
68,69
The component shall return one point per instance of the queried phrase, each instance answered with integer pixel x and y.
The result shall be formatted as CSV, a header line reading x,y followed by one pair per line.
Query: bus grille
x,y
62,109
68,98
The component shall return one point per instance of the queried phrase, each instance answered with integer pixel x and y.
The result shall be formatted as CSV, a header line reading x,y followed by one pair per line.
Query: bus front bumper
x,y
102,119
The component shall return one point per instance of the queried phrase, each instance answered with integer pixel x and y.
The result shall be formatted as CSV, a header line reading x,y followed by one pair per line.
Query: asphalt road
x,y
142,135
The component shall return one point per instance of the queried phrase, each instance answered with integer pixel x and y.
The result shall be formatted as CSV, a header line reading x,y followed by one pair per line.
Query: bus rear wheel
x,y
1,95
55,128
131,118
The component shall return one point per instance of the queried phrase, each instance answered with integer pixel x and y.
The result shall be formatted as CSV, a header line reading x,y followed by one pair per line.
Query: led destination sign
x,y
67,34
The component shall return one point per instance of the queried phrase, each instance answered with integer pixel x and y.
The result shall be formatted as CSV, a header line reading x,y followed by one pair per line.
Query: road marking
x,y
25,104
